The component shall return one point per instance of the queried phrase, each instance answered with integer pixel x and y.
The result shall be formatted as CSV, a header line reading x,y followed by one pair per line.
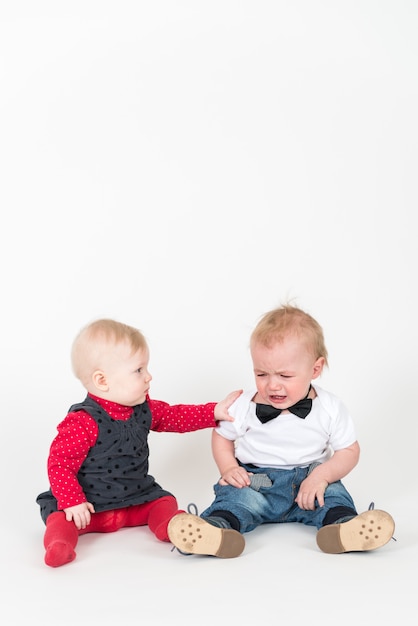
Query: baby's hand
x,y
311,491
79,514
235,476
221,409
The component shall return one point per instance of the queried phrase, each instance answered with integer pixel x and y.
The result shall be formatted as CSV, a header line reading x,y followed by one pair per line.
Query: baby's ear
x,y
99,380
318,367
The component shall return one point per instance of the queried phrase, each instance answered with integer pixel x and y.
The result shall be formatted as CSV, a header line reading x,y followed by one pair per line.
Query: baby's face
x,y
284,371
127,375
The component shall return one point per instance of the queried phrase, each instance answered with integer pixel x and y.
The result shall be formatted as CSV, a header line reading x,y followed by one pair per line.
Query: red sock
x,y
161,512
60,540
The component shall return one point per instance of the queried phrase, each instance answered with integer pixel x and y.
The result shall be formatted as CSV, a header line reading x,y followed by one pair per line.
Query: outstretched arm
x,y
312,489
184,418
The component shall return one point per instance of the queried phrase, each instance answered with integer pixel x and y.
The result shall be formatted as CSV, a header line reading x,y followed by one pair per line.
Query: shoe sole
x,y
193,535
367,531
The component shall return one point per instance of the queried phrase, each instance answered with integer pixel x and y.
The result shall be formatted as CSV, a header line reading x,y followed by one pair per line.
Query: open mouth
x,y
277,399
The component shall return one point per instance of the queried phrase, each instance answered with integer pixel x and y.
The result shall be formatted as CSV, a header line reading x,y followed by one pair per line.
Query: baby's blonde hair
x,y
95,338
287,320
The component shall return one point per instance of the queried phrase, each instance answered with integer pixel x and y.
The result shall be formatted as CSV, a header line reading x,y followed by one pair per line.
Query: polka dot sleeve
x,y
181,418
77,433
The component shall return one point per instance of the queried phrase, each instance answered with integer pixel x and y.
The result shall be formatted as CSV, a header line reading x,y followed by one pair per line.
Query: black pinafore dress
x,y
114,474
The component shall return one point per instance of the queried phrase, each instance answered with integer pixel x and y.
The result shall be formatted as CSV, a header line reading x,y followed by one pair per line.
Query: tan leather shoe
x,y
367,531
191,534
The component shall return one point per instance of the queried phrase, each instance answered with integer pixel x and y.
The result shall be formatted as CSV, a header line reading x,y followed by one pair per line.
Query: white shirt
x,y
289,441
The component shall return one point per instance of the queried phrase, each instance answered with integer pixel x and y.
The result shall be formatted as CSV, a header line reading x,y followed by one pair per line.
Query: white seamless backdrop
x,y
184,166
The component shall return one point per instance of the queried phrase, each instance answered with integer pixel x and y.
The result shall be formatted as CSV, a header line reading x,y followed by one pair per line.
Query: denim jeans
x,y
275,504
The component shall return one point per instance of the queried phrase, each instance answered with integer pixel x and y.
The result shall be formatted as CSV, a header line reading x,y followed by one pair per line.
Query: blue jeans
x,y
275,504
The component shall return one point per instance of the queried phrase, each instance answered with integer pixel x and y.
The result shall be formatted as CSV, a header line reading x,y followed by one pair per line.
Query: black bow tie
x,y
266,412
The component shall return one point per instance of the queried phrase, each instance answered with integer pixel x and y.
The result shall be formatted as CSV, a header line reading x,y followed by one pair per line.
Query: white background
x,y
185,166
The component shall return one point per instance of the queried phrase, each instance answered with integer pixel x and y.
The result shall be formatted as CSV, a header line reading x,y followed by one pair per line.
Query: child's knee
x,y
160,514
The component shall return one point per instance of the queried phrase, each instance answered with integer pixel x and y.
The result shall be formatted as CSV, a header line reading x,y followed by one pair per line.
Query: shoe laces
x,y
371,508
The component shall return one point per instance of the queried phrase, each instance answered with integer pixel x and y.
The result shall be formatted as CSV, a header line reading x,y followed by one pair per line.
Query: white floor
x,y
281,577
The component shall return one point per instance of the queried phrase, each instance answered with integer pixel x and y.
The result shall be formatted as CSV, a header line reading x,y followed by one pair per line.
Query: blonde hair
x,y
95,339
287,320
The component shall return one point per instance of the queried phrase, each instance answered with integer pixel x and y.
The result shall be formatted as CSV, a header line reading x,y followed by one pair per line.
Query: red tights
x,y
61,537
